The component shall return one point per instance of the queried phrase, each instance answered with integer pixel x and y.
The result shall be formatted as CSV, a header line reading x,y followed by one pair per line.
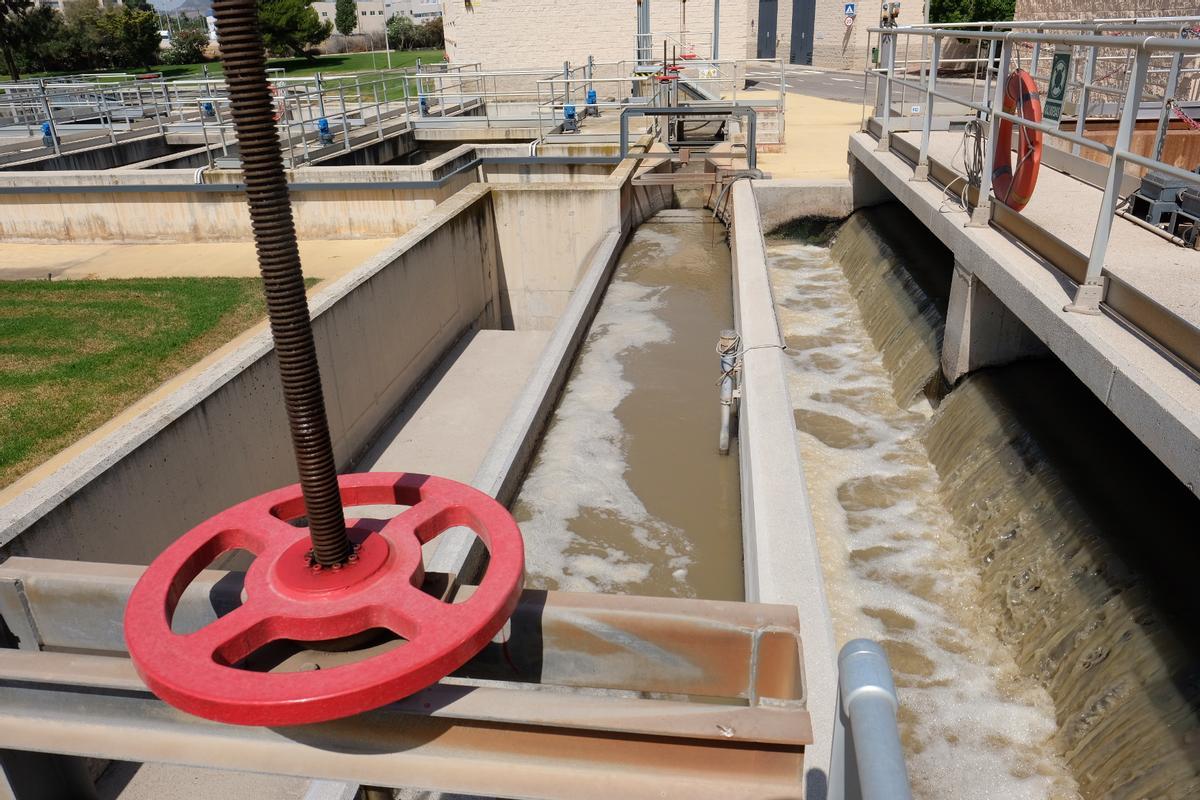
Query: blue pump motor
x,y
47,134
570,120
208,110
323,131
591,109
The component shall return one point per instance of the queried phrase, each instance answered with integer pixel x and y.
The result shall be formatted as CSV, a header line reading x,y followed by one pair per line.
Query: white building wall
x,y
374,14
838,46
517,34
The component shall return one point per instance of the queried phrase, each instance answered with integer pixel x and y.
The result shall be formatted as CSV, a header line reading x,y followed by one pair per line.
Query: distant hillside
x,y
189,7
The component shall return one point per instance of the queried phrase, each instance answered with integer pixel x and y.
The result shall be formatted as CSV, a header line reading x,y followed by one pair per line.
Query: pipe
x,y
727,349
283,281
867,761
716,38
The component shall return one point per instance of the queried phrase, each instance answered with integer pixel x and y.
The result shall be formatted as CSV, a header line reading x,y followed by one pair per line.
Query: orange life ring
x,y
1015,187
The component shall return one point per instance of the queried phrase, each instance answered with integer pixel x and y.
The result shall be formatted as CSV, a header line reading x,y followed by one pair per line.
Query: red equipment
x,y
290,598
1014,188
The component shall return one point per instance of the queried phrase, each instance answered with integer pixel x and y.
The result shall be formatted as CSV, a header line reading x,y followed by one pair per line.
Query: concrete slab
x,y
321,259
815,142
447,427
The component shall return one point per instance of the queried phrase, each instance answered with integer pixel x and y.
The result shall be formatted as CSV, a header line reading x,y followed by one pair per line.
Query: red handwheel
x,y
289,598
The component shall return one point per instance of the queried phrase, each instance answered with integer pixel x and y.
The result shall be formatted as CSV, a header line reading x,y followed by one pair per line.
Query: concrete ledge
x,y
500,474
129,214
782,201
782,561
1153,396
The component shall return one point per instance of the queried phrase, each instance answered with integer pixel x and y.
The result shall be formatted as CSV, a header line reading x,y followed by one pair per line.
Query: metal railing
x,y
867,762
679,44
1128,41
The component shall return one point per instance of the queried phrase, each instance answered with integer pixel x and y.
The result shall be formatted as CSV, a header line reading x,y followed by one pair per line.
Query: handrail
x,y
867,762
1000,47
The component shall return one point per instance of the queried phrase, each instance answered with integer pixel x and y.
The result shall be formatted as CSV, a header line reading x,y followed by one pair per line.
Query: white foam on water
x,y
580,468
896,569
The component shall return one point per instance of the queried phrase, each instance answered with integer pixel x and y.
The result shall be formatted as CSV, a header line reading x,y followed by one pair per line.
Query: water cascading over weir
x,y
1083,542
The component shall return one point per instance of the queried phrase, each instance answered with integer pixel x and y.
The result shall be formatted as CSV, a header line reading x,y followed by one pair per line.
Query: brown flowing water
x,y
627,493
1025,561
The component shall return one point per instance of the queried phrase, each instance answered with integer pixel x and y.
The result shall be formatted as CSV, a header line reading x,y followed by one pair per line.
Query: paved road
x,y
848,86
845,86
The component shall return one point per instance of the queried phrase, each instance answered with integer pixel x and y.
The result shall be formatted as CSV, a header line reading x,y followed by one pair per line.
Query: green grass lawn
x,y
299,67
74,353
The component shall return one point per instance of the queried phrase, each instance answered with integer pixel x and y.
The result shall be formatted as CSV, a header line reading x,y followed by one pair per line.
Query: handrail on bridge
x,y
684,111
1001,51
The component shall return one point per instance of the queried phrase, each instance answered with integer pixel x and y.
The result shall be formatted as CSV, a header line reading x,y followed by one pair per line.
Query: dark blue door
x,y
768,20
804,14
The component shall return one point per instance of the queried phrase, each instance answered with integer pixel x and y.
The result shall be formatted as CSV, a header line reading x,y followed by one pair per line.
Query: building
x,y
374,14
527,33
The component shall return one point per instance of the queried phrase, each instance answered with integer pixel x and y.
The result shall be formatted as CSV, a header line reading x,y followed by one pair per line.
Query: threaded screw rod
x,y
283,282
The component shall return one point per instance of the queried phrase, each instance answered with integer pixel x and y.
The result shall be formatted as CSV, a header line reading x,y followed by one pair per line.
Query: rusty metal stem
x,y
283,282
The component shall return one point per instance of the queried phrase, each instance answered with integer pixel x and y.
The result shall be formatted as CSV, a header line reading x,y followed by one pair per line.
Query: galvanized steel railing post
x,y
1089,73
321,94
50,119
867,761
921,173
1164,116
888,50
981,215
1090,293
345,117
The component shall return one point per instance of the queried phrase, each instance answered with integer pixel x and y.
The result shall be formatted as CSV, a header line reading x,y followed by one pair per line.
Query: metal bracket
x,y
1088,298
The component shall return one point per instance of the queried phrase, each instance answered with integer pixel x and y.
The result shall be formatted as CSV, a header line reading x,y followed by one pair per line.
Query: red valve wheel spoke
x,y
290,598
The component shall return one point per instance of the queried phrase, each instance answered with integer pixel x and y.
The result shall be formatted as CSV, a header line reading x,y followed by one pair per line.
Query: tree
x,y
346,17
402,32
130,36
948,11
187,47
42,40
432,34
291,27
12,18
407,35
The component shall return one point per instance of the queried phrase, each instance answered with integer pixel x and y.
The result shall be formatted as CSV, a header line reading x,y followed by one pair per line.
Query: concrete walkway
x,y
816,131
1068,208
447,427
321,259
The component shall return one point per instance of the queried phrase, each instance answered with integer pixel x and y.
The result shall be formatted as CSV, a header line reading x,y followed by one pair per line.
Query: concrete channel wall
x,y
782,561
127,205
221,436
101,156
217,433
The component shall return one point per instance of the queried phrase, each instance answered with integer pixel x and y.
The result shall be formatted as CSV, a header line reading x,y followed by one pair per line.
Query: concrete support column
x,y
980,330
865,189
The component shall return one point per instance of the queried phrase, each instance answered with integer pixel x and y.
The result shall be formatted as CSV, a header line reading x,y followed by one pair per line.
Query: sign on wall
x,y
1056,91
851,9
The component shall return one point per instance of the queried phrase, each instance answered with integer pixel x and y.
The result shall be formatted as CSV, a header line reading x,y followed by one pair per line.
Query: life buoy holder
x,y
1014,187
